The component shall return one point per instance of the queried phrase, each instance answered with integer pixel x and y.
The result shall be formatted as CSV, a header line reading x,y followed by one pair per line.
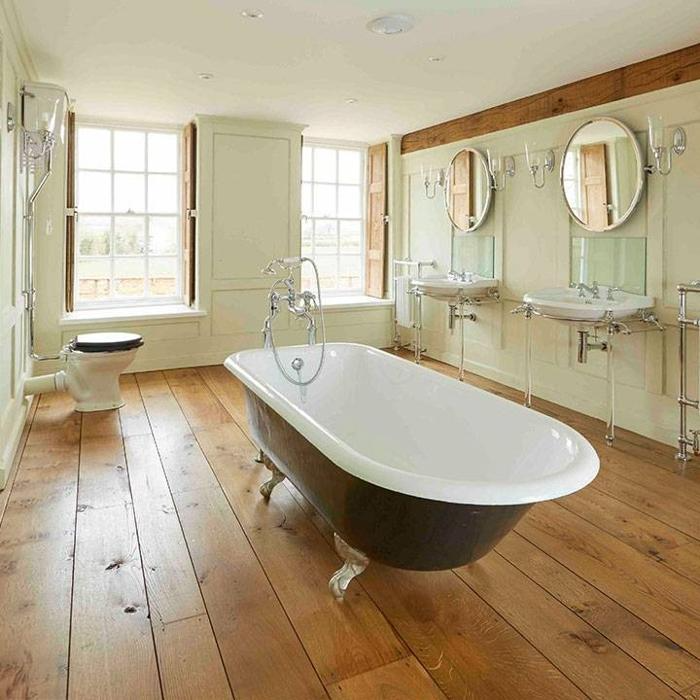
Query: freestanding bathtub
x,y
409,467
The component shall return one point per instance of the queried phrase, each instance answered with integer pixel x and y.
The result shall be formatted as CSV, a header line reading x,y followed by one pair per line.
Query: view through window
x,y
332,216
128,233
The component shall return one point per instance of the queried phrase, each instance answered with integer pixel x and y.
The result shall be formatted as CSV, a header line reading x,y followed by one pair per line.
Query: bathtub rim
x,y
579,473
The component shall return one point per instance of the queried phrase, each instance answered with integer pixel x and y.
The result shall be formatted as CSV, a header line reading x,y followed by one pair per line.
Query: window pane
x,y
93,279
327,271
324,200
129,150
162,153
307,234
129,277
162,194
129,235
162,274
94,148
306,208
349,167
94,192
349,272
129,192
324,165
306,155
326,236
162,235
349,201
350,236
94,234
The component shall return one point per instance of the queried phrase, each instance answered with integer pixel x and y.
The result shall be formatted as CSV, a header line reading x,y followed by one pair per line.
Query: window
x,y
128,231
333,225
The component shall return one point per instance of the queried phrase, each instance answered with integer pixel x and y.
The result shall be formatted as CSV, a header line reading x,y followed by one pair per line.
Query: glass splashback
x,y
473,254
617,262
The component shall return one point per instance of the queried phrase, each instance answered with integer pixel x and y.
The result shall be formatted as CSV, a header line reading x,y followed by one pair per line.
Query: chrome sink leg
x,y
418,327
276,478
610,429
461,352
355,563
528,358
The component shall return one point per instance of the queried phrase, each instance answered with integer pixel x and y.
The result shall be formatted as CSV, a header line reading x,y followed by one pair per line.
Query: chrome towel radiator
x,y
686,438
409,265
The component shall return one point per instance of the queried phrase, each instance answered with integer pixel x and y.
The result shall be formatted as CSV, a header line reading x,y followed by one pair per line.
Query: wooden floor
x,y
137,560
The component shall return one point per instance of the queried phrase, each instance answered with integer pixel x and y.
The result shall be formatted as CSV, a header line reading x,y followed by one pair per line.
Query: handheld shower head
x,y
276,266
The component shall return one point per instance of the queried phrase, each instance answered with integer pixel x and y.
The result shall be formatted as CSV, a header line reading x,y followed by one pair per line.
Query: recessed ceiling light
x,y
351,100
205,76
390,25
436,59
253,14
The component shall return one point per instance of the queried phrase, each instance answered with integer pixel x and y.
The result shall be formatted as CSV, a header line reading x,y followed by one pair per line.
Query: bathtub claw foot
x,y
355,563
276,478
260,457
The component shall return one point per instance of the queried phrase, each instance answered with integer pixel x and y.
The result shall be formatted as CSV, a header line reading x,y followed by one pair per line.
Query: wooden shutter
x,y
594,183
375,247
70,211
189,210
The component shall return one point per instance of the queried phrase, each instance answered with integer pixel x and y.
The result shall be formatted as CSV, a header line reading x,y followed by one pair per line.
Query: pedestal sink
x,y
591,309
568,304
458,291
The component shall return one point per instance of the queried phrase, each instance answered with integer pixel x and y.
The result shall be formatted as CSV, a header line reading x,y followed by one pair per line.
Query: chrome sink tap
x,y
593,290
460,276
611,291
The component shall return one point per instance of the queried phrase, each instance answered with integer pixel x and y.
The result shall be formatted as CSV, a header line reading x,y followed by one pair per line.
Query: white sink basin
x,y
455,291
565,303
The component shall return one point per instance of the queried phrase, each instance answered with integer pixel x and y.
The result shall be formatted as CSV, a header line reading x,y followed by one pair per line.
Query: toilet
x,y
94,362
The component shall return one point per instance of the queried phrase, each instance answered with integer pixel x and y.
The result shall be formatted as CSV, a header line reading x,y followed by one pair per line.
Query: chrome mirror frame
x,y
640,174
488,184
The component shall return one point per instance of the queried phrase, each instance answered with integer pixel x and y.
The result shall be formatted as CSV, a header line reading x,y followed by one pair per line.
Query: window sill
x,y
94,316
353,302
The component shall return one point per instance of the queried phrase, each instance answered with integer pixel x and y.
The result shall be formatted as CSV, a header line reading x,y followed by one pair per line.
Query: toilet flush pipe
x,y
45,383
29,291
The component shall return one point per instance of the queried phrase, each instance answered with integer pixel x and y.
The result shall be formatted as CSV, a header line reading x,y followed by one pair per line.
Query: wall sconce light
x,y
430,184
539,163
663,155
500,167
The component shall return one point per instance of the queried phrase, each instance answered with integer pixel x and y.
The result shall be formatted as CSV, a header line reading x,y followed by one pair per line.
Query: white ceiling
x,y
139,59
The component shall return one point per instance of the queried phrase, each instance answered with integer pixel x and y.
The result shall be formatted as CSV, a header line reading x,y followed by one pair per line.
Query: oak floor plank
x,y
262,654
342,640
404,679
644,586
200,406
575,648
36,557
467,648
189,661
229,391
112,649
670,503
670,662
173,590
132,415
112,646
185,466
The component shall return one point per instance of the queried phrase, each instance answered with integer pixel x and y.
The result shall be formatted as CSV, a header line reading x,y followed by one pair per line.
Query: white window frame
x,y
146,300
362,149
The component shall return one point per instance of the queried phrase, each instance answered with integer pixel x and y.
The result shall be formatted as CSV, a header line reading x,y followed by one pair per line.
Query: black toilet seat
x,y
106,342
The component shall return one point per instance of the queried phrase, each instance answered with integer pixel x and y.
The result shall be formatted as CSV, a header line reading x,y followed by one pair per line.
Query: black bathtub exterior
x,y
389,527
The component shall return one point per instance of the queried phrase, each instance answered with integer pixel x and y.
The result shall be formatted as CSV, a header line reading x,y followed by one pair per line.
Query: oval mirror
x,y
602,174
468,190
